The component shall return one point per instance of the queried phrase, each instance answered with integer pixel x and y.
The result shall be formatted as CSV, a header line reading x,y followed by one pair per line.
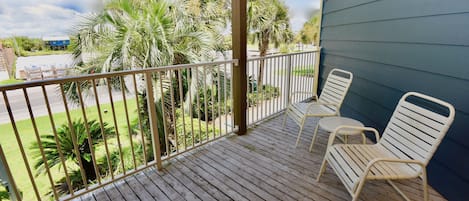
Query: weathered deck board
x,y
262,165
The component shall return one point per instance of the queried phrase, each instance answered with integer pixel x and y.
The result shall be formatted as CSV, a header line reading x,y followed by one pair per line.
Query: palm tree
x,y
268,23
141,34
65,137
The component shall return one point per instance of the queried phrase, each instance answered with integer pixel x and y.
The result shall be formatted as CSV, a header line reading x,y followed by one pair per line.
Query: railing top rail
x,y
109,74
283,55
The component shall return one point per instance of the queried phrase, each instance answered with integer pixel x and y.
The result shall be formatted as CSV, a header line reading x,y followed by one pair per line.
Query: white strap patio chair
x,y
407,145
328,104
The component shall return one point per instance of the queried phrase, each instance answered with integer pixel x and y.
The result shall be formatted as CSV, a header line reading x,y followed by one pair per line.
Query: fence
x,y
72,135
273,81
100,128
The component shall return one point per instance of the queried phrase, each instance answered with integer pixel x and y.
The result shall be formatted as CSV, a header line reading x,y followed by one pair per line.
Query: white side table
x,y
329,124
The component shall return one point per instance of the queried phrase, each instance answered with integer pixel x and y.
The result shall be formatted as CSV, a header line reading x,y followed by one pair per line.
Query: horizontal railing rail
x,y
69,136
274,80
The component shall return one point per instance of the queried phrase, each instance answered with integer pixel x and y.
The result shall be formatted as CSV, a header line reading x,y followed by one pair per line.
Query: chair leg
x,y
323,167
285,118
314,138
299,133
424,184
398,190
357,192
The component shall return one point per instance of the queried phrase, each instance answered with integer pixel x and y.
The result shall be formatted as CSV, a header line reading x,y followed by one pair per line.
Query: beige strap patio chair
x,y
407,145
328,104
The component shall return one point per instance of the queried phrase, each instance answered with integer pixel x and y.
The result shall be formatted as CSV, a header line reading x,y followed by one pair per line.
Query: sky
x,y
38,18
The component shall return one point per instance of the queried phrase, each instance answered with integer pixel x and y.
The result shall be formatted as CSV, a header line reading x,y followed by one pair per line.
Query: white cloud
x,y
42,18
300,11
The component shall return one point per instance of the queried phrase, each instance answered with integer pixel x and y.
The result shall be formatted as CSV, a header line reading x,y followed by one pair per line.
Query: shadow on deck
x,y
262,165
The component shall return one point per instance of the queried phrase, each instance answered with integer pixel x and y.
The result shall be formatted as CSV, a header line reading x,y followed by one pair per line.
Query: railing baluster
x,y
232,105
212,99
189,81
247,95
289,69
126,111
163,114
140,124
198,103
173,110
38,139
219,98
57,142
277,84
20,144
205,103
74,137
101,124
271,72
181,99
87,128
116,126
226,98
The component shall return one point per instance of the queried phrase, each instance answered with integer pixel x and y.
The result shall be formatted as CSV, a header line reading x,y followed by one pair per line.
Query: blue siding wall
x,y
395,46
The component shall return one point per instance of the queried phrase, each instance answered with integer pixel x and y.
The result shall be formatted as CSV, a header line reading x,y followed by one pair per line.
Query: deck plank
x,y
164,186
100,195
262,165
201,182
125,190
223,185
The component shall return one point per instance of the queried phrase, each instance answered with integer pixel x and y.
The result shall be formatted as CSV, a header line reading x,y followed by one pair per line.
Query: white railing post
x,y
317,59
153,119
289,67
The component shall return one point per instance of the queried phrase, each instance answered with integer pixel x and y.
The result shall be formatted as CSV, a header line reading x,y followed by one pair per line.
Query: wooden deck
x,y
262,165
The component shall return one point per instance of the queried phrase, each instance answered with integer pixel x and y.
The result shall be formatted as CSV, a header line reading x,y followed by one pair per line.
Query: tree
x,y
268,22
130,34
65,136
310,31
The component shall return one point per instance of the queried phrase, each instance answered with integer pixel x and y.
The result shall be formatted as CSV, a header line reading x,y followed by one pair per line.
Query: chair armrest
x,y
334,134
391,160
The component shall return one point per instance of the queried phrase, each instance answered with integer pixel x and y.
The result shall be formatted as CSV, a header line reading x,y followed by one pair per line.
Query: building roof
x,y
55,38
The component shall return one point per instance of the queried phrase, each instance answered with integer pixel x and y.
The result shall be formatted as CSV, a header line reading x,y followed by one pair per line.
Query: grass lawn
x,y
45,52
14,158
306,71
10,81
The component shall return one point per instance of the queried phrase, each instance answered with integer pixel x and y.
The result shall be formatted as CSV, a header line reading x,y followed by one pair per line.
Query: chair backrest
x,y
415,132
337,84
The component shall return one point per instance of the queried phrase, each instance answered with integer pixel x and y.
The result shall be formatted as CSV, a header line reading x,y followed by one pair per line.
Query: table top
x,y
329,124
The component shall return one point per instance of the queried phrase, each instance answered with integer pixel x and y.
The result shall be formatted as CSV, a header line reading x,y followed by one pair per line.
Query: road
x,y
275,74
19,107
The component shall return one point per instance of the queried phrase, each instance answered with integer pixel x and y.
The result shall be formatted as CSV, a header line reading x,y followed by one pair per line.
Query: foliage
x,y
304,71
268,92
310,32
211,104
67,135
10,81
268,22
116,162
190,127
25,46
129,33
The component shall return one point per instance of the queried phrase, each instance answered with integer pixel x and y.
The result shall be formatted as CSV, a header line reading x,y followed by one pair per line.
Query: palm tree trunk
x,y
263,47
88,166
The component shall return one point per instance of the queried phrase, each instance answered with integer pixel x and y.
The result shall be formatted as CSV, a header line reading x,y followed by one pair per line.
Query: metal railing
x,y
70,136
281,76
77,134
